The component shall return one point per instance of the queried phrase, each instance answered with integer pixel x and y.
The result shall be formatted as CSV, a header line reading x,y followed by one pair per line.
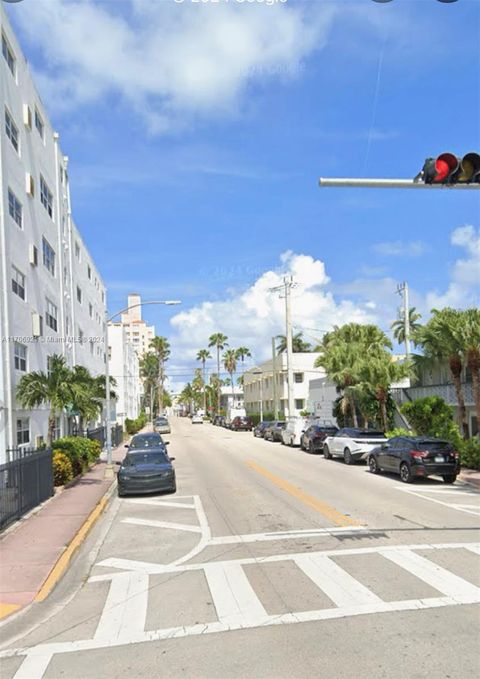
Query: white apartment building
x,y
265,387
52,297
124,368
138,332
231,398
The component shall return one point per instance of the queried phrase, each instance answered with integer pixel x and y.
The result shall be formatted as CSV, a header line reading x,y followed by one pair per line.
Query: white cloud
x,y
164,57
464,288
400,248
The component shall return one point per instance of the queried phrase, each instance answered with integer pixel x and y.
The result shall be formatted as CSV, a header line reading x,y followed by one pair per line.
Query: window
x,y
67,325
8,55
90,310
15,208
20,356
49,365
89,272
48,256
46,197
77,250
79,294
92,346
51,315
56,429
18,282
65,275
103,296
11,130
23,430
298,377
39,123
299,403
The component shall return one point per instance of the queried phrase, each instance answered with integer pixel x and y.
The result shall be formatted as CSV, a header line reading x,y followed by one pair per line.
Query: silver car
x,y
161,425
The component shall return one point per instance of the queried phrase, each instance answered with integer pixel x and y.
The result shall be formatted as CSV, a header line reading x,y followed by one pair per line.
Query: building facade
x,y
268,383
322,395
124,369
52,296
139,334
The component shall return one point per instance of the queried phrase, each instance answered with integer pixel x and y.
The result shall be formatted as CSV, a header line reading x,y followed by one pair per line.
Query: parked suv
x,y
241,424
260,428
293,431
415,456
312,439
352,444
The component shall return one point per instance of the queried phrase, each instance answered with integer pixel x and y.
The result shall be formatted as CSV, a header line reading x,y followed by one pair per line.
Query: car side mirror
x,y
126,446
118,464
166,443
303,431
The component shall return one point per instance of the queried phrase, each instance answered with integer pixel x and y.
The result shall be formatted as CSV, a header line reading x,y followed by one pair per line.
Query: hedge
x,y
132,426
62,468
81,452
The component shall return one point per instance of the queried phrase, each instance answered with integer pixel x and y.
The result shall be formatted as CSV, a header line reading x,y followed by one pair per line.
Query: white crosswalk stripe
x,y
448,497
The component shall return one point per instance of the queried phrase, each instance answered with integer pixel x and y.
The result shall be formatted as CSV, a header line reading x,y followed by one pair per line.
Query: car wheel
x,y
326,453
347,456
173,489
372,464
120,493
302,447
310,447
449,478
405,473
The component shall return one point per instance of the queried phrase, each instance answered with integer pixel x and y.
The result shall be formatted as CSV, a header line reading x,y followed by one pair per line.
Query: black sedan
x,y
147,470
312,438
260,428
274,431
148,440
416,457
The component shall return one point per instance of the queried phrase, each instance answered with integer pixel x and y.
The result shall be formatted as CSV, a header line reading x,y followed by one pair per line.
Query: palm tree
x,y
161,346
398,326
89,393
242,353
442,339
149,372
54,389
219,341
377,372
230,365
298,344
471,337
240,380
203,355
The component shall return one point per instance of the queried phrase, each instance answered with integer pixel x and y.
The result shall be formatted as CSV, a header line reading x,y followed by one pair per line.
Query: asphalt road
x,y
267,562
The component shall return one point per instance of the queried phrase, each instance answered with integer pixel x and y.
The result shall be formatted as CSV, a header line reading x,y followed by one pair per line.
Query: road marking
x,y
438,502
125,610
322,507
337,584
286,535
8,609
160,503
473,548
163,524
233,596
437,577
34,666
441,491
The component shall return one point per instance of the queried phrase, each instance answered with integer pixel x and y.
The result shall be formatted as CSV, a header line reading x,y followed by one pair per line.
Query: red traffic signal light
x,y
447,168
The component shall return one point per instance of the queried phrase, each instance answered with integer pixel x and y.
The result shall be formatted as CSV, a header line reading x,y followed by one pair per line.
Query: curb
x,y
63,560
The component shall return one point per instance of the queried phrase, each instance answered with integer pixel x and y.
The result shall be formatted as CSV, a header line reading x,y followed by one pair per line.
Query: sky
x,y
197,133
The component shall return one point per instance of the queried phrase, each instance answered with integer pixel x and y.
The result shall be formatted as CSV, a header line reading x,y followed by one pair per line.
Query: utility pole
x,y
402,289
285,290
274,371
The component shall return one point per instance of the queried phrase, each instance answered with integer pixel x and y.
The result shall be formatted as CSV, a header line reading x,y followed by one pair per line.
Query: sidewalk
x,y
35,552
470,476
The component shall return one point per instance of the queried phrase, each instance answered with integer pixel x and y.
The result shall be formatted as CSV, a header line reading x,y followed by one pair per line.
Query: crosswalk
x,y
238,605
459,498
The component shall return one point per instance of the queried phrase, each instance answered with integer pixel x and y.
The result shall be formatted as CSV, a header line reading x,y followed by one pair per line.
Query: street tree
x,y
203,355
398,326
230,365
161,346
149,372
219,341
298,344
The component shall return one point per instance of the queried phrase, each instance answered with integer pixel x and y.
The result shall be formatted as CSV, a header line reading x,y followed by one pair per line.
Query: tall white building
x,y
124,368
52,297
137,330
267,382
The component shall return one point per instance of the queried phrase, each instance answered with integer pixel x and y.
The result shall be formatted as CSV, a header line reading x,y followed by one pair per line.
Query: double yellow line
x,y
323,508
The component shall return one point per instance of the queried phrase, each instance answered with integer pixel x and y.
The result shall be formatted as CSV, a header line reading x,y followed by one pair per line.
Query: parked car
x,y
148,440
216,420
416,456
293,431
352,444
313,437
161,425
260,428
241,424
274,431
146,470
197,419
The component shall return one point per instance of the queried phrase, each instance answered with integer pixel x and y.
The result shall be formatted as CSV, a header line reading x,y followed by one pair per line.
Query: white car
x,y
352,444
292,433
197,419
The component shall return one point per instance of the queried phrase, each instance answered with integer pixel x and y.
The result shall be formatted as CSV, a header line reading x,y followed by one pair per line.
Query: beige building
x,y
138,333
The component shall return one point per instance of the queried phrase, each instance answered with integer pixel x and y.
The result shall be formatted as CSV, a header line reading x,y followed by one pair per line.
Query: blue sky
x,y
197,135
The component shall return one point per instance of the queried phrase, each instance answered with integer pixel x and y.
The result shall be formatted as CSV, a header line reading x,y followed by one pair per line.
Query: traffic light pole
x,y
391,184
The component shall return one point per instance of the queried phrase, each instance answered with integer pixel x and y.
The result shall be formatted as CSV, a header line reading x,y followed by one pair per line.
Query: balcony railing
x,y
445,391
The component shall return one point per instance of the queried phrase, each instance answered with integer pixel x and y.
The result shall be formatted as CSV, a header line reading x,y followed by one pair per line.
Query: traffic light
x,y
447,168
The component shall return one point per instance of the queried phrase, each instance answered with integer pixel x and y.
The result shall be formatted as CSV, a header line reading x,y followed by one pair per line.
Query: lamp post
x,y
168,302
259,372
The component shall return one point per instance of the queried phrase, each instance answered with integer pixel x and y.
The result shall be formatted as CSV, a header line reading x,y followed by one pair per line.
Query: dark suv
x,y
312,438
416,456
274,431
241,424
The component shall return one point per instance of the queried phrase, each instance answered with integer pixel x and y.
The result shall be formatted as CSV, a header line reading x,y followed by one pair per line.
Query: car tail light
x,y
418,454
456,454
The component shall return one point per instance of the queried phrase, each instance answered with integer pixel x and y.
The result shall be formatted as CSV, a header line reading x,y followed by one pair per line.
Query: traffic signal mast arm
x,y
389,183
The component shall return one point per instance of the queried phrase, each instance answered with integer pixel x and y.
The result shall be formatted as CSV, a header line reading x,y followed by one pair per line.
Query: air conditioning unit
x,y
29,185
37,325
27,116
33,254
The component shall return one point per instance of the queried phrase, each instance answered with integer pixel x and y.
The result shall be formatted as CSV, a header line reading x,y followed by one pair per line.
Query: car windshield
x,y
161,420
145,458
146,441
432,445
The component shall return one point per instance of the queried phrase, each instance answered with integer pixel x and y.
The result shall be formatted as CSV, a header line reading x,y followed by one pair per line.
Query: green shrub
x,y
132,426
470,453
266,416
62,468
398,431
81,451
427,415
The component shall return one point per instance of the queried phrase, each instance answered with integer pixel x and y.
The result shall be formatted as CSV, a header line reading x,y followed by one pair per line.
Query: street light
x,y
168,302
260,372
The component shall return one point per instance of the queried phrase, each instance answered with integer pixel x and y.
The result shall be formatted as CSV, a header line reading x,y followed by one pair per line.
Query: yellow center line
x,y
322,507
7,609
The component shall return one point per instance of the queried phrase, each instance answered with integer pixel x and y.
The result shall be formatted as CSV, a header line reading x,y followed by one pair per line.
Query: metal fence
x,y
99,434
25,481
